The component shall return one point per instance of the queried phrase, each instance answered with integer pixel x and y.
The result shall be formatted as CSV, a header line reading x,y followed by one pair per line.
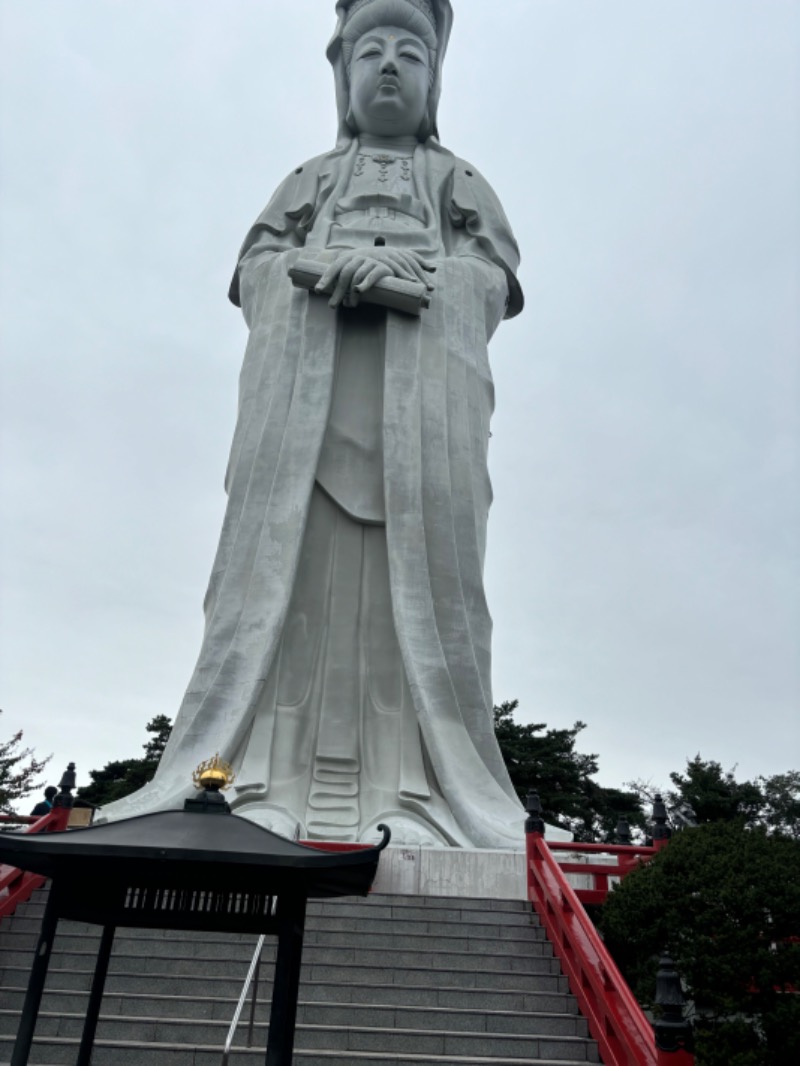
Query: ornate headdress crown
x,y
421,5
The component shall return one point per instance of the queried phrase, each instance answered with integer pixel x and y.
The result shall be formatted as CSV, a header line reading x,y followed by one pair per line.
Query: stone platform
x,y
455,872
464,873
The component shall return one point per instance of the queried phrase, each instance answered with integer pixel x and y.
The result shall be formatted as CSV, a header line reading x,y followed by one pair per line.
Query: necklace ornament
x,y
384,161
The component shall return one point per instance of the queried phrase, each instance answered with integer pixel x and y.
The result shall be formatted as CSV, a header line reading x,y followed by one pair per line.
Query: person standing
x,y
46,805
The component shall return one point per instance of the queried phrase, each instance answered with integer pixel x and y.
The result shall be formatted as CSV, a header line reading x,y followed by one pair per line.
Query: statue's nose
x,y
389,66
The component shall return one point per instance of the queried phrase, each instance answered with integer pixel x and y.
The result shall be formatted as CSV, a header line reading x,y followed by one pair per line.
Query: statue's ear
x,y
350,119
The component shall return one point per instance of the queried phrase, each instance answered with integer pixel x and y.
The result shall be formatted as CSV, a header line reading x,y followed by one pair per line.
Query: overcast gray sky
x,y
643,545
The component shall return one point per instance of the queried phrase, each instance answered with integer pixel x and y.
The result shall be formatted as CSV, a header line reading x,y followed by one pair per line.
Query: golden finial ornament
x,y
214,774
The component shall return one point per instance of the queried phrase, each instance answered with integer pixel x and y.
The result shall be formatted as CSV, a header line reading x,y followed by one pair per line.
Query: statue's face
x,y
389,82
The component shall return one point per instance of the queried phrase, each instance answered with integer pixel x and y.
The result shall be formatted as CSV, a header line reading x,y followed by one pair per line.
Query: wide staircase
x,y
386,981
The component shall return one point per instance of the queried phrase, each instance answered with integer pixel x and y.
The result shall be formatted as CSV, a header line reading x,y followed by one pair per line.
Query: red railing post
x,y
674,1058
17,886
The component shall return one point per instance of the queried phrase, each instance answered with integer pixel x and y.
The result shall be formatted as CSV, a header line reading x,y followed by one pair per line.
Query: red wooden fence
x,y
616,1021
17,886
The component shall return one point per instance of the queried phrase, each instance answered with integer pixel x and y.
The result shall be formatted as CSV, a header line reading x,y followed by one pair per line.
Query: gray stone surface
x,y
460,980
345,670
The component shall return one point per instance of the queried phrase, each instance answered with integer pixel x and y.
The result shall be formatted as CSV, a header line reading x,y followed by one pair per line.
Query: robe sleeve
x,y
481,229
284,222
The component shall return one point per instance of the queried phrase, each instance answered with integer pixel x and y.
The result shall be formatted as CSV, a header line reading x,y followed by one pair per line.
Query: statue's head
x,y
389,69
387,57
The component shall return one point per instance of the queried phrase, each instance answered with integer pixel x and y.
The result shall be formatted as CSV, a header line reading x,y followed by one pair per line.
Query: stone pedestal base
x,y
470,874
478,874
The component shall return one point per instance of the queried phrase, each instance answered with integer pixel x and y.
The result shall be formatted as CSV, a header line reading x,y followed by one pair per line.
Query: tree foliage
x,y
780,810
716,795
546,760
118,779
20,772
724,901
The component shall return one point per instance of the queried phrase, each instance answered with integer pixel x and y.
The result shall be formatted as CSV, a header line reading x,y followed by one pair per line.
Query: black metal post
x,y
623,831
95,997
33,997
286,986
534,823
66,784
661,829
672,1031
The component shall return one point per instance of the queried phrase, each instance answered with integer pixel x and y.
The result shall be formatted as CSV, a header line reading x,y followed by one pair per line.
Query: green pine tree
x,y
546,760
724,901
118,779
20,772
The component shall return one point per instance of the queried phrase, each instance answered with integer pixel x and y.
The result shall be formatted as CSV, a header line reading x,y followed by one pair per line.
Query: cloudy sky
x,y
642,567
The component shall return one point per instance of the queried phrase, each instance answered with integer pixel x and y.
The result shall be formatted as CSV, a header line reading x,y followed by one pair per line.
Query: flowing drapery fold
x,y
438,401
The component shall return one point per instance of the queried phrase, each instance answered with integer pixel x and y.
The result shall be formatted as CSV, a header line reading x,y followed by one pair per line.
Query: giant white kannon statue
x,y
345,667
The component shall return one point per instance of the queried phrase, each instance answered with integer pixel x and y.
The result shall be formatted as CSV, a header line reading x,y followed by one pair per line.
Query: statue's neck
x,y
387,144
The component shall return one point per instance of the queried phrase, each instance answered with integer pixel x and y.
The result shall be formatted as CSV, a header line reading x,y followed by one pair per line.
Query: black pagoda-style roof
x,y
188,849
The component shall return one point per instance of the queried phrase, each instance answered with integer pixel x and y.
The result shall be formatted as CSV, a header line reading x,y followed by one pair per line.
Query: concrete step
x,y
380,899
61,1051
126,941
316,931
356,957
54,1022
145,1032
208,983
386,981
410,910
473,1000
413,908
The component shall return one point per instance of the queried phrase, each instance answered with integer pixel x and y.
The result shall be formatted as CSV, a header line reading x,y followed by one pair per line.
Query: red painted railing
x,y
17,886
628,858
334,845
616,1021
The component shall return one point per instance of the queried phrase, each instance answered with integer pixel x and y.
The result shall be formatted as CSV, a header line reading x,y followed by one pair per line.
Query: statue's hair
x,y
414,15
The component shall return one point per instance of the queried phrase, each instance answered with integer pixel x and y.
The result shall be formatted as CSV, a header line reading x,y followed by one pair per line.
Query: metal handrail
x,y
253,975
253,972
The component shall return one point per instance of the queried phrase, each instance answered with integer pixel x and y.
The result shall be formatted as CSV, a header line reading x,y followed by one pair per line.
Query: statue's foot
x,y
278,820
406,829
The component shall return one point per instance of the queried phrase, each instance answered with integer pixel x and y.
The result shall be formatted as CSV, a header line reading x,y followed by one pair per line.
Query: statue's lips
x,y
389,83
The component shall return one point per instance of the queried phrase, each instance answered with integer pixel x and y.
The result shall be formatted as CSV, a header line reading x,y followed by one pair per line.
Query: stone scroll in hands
x,y
410,297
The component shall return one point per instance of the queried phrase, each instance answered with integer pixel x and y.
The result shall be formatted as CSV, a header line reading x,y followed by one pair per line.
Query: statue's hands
x,y
354,272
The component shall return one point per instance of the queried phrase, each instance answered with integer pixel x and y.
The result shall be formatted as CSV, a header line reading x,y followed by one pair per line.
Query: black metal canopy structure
x,y
202,868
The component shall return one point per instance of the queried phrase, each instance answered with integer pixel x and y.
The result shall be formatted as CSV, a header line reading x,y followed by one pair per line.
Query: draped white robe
x,y
438,402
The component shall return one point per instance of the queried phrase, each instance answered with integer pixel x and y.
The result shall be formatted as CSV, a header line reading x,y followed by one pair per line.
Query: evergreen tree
x,y
780,811
724,901
546,760
160,728
714,794
20,772
118,779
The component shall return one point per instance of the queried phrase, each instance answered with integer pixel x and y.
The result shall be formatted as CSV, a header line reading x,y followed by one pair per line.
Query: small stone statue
x,y
345,668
